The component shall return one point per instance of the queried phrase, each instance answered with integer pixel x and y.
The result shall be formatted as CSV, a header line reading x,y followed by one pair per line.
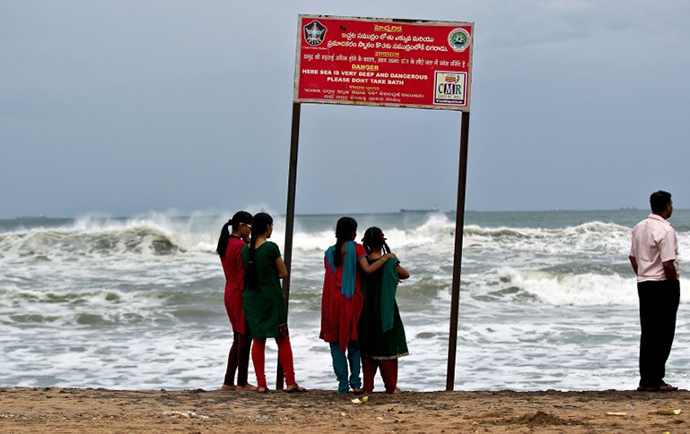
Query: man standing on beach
x,y
654,258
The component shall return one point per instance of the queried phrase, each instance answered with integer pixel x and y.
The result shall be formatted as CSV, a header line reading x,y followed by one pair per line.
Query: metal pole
x,y
457,259
290,217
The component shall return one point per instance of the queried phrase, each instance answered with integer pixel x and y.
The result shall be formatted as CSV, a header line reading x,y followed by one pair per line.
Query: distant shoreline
x,y
326,214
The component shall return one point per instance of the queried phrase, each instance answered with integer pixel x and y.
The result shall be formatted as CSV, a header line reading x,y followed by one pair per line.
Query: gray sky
x,y
124,107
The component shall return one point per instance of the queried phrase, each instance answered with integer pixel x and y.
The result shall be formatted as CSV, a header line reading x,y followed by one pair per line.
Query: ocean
x,y
548,301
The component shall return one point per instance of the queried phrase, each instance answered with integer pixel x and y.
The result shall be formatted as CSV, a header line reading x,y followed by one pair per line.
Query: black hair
x,y
260,225
374,239
659,199
239,217
344,229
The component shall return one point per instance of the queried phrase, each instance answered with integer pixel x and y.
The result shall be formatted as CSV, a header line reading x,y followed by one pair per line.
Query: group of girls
x,y
253,268
359,316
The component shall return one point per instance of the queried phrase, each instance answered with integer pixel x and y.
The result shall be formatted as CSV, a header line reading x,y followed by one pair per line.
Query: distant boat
x,y
31,217
432,209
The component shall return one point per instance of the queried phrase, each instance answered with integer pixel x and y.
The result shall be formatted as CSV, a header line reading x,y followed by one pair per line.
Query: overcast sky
x,y
124,107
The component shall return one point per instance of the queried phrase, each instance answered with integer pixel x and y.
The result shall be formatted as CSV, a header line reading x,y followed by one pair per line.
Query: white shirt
x,y
653,242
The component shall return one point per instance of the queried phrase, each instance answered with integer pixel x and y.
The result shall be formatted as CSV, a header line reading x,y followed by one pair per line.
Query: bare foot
x,y
295,388
246,388
396,391
228,387
262,389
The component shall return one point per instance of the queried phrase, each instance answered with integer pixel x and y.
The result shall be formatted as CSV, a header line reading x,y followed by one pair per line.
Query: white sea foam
x,y
137,302
510,285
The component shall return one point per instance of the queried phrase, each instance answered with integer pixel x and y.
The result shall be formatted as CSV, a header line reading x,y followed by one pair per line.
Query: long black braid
x,y
344,229
260,225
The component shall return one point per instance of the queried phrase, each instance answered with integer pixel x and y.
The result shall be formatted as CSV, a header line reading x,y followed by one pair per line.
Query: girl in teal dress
x,y
381,332
264,306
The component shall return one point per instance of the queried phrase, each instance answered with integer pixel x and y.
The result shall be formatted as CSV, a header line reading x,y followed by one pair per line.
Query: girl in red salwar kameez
x,y
230,251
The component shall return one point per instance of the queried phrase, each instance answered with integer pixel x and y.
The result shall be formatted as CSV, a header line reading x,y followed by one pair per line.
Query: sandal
x,y
295,388
647,389
663,387
357,390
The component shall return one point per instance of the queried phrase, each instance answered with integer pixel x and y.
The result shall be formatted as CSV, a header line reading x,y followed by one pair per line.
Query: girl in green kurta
x,y
381,332
264,306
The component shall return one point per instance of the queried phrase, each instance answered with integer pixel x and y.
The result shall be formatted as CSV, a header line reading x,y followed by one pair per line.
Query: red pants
x,y
389,373
284,357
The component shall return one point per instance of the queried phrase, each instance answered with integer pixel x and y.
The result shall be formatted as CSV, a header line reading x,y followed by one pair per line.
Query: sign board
x,y
384,62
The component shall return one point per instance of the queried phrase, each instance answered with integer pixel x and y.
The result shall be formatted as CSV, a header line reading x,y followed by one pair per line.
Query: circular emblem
x,y
459,39
314,33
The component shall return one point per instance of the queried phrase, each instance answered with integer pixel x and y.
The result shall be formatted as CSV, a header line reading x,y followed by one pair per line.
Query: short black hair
x,y
659,199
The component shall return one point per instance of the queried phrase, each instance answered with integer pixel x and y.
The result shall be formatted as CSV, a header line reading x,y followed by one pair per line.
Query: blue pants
x,y
340,363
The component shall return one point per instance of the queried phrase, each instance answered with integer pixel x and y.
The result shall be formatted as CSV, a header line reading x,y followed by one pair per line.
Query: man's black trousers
x,y
658,306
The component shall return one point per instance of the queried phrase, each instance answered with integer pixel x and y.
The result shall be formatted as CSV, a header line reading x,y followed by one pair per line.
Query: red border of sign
x,y
384,62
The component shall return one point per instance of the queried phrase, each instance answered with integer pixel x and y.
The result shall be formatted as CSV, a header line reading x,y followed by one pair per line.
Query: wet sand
x,y
318,411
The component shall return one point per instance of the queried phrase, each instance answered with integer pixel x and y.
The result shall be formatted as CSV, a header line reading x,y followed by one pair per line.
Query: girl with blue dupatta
x,y
341,305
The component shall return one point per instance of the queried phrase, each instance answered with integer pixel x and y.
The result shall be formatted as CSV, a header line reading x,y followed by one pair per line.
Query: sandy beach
x,y
100,410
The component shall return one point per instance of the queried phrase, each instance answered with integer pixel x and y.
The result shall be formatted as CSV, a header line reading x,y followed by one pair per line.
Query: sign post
x,y
389,63
290,216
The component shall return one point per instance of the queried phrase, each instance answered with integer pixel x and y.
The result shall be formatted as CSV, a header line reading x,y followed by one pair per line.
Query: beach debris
x,y
541,418
616,413
184,414
11,416
358,401
630,406
343,414
668,412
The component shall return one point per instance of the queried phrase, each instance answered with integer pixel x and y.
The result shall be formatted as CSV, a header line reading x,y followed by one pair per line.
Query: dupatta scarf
x,y
340,311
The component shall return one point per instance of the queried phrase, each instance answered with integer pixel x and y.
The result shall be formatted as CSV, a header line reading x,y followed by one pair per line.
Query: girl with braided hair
x,y
381,332
230,251
264,305
341,304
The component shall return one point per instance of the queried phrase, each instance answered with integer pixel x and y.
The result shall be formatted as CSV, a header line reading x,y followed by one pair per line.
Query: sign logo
x,y
314,33
450,88
459,39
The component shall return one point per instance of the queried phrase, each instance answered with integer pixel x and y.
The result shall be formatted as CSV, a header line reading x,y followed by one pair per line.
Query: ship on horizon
x,y
420,210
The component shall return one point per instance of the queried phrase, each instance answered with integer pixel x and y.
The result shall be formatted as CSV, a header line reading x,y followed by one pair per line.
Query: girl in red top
x,y
230,251
341,305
